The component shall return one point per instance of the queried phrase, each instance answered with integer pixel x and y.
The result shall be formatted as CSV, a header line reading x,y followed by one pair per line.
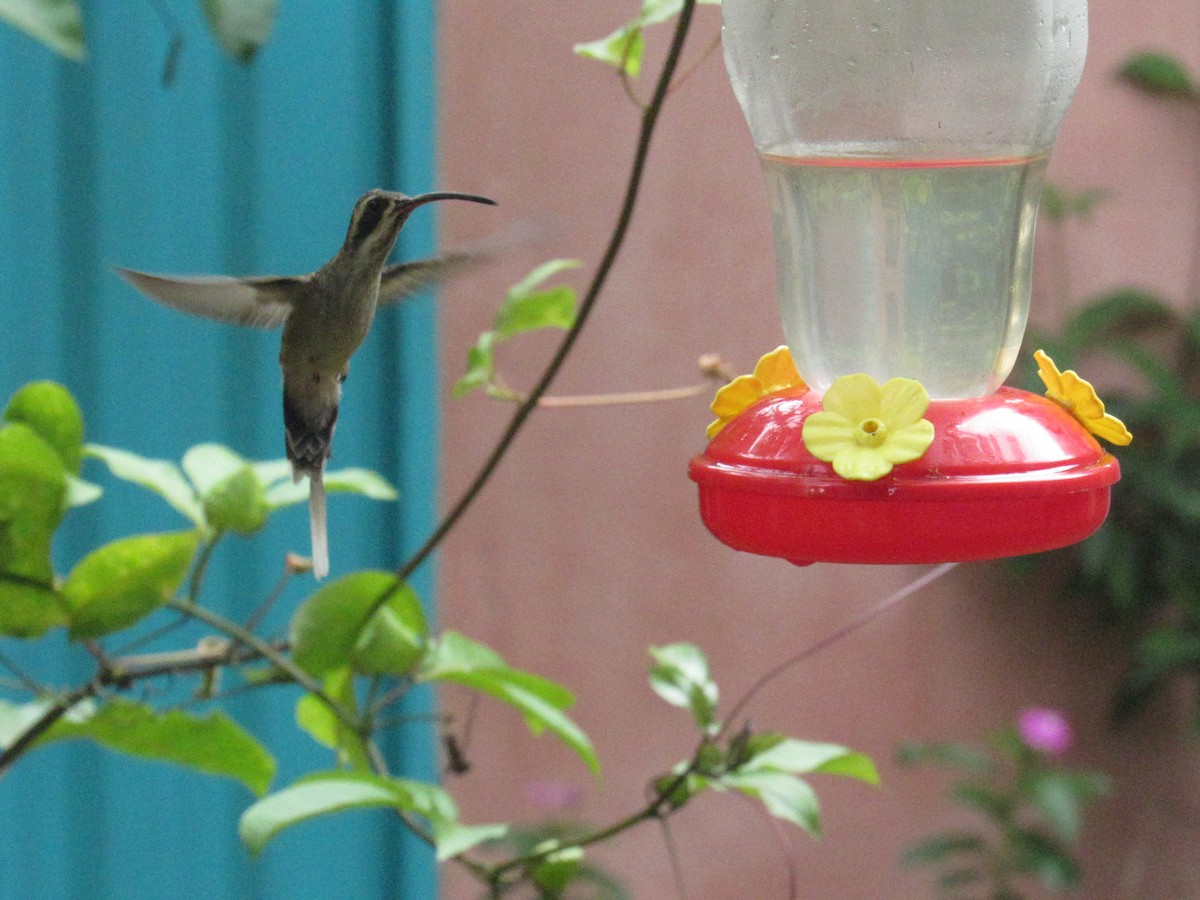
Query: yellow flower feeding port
x,y
903,147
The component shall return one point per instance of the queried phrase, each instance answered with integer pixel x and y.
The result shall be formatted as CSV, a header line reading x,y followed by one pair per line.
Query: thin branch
x,y
599,279
865,618
268,652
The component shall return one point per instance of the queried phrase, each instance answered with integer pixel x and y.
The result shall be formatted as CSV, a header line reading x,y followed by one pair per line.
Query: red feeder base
x,y
1007,474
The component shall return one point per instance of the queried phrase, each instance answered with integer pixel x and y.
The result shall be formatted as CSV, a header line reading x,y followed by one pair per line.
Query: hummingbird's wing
x,y
400,282
261,302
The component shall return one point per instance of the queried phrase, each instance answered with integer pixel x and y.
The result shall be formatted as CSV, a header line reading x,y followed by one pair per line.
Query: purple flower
x,y
1044,729
553,796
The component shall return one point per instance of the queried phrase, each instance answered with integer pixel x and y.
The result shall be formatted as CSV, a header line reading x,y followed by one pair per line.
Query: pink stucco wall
x,y
587,546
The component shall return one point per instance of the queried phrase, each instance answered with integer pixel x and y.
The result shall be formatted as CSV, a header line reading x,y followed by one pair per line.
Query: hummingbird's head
x,y
379,215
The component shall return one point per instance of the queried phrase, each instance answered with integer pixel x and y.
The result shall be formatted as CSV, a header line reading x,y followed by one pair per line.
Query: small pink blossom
x,y
1044,729
553,796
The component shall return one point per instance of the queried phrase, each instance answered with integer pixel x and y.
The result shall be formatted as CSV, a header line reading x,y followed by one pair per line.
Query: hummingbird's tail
x,y
316,519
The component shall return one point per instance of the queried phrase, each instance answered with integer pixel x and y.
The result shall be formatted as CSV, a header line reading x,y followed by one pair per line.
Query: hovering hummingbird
x,y
325,316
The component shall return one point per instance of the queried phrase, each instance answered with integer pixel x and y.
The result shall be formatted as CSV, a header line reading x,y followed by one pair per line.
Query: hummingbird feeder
x,y
903,145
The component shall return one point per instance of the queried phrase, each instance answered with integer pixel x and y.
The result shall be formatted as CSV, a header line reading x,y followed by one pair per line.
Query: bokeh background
x,y
587,546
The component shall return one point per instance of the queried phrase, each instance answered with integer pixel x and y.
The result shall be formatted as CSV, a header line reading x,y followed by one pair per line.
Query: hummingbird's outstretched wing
x,y
261,302
400,282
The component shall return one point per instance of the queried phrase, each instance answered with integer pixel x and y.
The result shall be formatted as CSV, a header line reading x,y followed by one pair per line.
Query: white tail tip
x,y
316,520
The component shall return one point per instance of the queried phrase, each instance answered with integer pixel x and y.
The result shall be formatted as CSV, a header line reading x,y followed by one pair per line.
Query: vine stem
x,y
599,279
885,605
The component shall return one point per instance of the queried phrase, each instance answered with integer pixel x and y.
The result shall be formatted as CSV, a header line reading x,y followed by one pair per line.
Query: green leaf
x,y
1158,73
1040,855
28,610
942,847
233,497
803,757
327,627
162,477
121,582
17,718
454,838
1059,205
481,362
623,48
315,796
315,717
785,796
1116,314
554,871
460,660
49,409
953,755
680,676
240,26
81,493
331,792
369,484
393,641
57,24
553,308
985,799
238,504
33,490
212,744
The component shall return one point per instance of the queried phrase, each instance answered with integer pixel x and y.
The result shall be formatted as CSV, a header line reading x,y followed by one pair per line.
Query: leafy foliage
x,y
240,27
527,307
625,47
1030,808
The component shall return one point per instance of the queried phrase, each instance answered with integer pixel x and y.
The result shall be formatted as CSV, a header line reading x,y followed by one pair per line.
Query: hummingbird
x,y
325,317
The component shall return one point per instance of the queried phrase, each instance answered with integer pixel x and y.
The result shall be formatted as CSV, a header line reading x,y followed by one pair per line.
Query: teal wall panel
x,y
227,169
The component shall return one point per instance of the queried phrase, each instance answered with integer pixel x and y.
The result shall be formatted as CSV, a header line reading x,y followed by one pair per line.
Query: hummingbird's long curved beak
x,y
421,199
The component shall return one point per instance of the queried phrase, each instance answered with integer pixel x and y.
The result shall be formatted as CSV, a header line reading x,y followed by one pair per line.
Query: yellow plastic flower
x,y
864,428
1079,397
775,372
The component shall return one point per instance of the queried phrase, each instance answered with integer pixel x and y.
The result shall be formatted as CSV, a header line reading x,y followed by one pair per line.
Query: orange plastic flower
x,y
1079,398
864,428
775,372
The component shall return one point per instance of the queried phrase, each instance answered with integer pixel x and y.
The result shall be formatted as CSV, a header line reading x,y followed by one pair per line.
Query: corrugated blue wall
x,y
229,169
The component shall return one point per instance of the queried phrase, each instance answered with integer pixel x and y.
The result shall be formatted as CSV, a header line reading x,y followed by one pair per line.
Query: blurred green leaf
x,y
315,717
17,718
123,581
680,676
1043,857
941,847
1117,313
327,628
984,799
481,363
240,26
1058,204
456,658
553,872
237,503
804,757
953,755
1060,797
330,792
1158,73
623,48
49,409
784,796
363,482
553,308
33,489
207,465
162,477
212,744
57,24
